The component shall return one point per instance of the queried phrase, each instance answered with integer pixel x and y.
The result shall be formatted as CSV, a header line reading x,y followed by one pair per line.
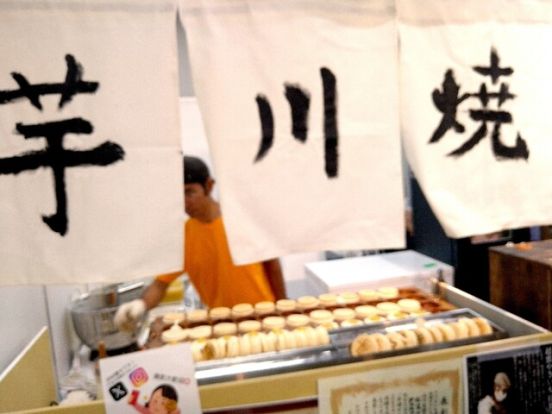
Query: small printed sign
x,y
431,387
516,380
159,380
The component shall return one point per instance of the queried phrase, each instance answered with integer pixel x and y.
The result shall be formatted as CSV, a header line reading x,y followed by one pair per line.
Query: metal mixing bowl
x,y
92,315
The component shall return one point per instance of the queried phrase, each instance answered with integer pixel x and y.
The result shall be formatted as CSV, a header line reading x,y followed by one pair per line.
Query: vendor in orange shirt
x,y
207,258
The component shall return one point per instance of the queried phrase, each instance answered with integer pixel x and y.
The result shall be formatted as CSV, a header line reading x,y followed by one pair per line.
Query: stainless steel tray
x,y
344,336
268,363
337,352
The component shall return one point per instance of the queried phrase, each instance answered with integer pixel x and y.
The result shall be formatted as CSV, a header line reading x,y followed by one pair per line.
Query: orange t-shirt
x,y
210,268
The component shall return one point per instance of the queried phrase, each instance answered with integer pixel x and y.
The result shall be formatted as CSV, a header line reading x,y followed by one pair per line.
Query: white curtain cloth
x,y
90,159
475,96
300,104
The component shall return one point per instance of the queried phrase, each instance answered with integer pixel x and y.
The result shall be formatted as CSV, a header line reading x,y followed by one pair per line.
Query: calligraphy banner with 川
x,y
475,91
300,103
90,159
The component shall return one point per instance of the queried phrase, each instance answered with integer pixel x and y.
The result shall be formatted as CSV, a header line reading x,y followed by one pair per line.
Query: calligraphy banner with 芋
x,y
475,91
90,159
300,104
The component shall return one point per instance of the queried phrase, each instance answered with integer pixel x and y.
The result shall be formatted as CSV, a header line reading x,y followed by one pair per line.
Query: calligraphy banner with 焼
x,y
300,104
475,92
90,163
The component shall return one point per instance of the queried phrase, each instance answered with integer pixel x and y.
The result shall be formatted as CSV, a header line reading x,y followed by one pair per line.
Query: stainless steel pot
x,y
92,315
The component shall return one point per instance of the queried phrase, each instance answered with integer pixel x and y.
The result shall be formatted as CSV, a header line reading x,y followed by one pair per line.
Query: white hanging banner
x,y
300,103
90,159
475,91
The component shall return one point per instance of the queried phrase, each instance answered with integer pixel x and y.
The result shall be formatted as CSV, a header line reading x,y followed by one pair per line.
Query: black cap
x,y
195,171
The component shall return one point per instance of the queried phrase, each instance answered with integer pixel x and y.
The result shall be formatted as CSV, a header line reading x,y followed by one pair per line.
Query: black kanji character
x,y
299,101
54,155
59,158
448,100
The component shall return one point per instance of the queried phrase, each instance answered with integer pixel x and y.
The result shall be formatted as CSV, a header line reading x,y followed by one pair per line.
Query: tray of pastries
x,y
350,344
443,330
309,332
265,327
171,325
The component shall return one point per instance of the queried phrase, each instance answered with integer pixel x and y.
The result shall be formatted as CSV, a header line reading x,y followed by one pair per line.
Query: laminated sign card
x,y
300,104
90,161
157,381
432,387
475,96
516,380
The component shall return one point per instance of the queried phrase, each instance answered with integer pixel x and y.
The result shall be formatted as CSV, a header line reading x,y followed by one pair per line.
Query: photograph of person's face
x,y
500,392
159,404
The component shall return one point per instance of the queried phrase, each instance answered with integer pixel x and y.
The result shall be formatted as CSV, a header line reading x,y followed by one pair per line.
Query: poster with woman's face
x,y
512,381
157,381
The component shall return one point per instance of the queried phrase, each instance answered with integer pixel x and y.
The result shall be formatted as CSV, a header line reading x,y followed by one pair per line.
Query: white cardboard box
x,y
403,268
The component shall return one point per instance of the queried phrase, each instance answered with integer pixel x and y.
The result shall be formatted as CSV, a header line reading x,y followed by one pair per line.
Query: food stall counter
x,y
298,389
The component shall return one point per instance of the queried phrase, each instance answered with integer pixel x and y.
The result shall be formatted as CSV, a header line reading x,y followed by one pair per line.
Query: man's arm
x,y
130,313
154,293
273,272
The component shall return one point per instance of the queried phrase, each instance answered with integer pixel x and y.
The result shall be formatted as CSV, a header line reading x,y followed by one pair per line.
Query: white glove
x,y
129,314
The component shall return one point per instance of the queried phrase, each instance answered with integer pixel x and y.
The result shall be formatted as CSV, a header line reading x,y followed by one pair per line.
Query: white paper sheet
x,y
431,387
122,220
295,195
484,189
